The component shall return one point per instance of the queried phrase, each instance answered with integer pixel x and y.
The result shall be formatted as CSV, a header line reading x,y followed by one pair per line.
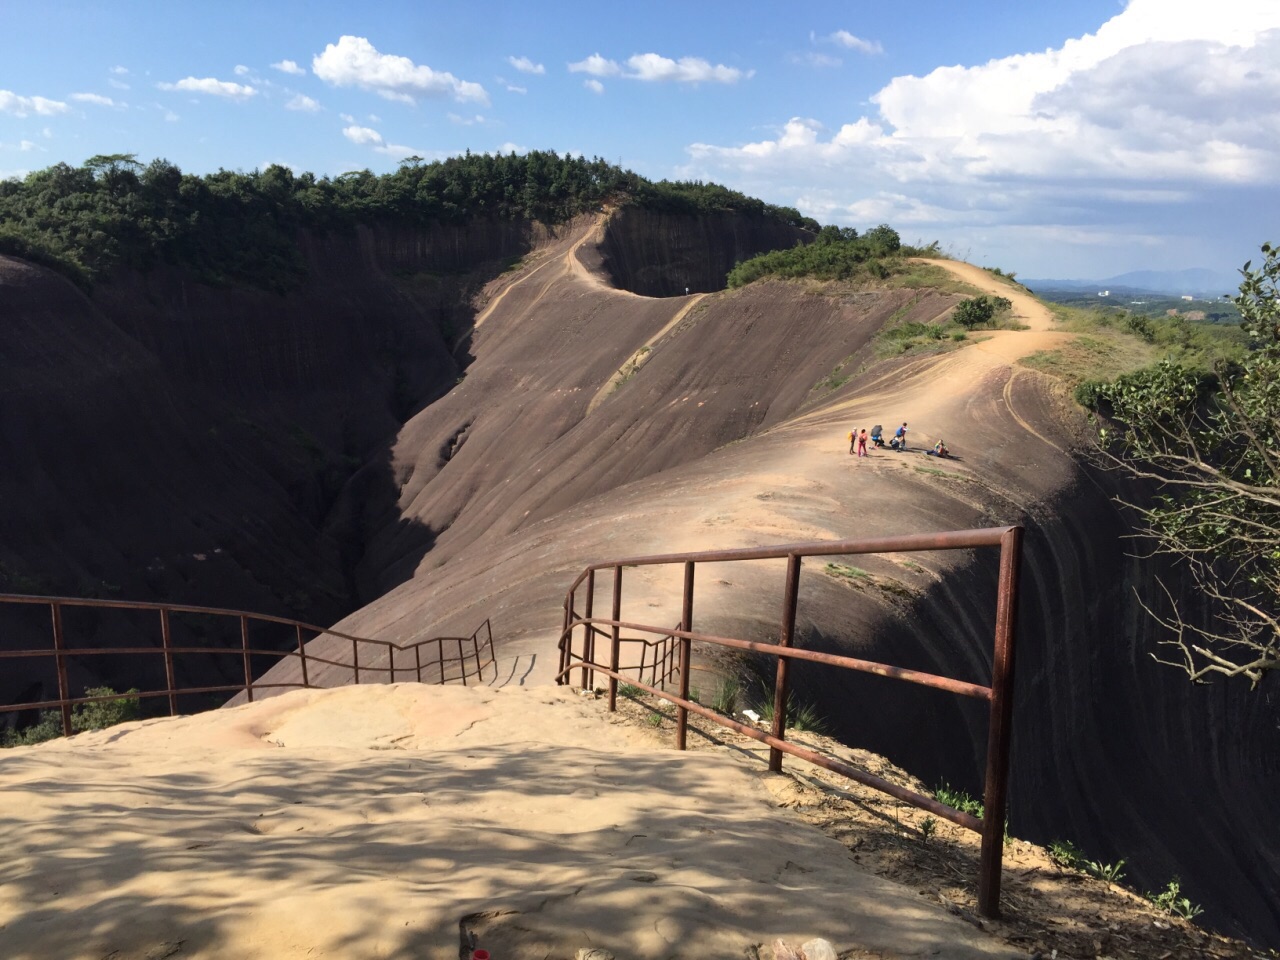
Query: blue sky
x,y
1055,139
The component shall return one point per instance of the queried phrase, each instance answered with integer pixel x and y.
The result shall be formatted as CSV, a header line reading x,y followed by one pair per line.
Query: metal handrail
x,y
999,694
62,653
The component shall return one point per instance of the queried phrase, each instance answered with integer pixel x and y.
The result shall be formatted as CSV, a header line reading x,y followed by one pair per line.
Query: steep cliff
x,y
658,254
591,422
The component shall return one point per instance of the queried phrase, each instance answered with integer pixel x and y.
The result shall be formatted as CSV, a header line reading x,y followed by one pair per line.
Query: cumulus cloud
x,y
525,65
211,86
355,62
843,38
466,121
362,135
94,98
120,71
595,86
304,103
652,67
512,88
20,106
1166,96
241,70
290,67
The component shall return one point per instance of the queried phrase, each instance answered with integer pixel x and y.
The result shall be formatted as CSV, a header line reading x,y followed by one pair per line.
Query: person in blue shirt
x,y
900,438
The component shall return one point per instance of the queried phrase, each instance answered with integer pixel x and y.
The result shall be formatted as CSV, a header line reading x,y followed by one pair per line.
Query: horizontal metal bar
x,y
966,820
977,691
921,542
212,611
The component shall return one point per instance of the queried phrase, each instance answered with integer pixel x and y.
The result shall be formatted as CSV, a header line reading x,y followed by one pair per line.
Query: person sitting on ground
x,y
939,450
900,436
877,436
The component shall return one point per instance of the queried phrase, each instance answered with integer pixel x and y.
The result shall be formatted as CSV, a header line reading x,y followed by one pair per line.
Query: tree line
x,y
234,227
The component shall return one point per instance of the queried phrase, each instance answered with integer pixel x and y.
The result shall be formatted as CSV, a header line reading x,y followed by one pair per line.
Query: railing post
x,y
995,792
60,661
391,662
417,658
589,636
462,663
615,632
475,650
781,687
566,640
355,661
488,630
440,657
166,643
244,647
686,650
302,654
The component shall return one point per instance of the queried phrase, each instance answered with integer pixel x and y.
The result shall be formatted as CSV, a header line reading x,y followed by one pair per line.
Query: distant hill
x,y
1196,281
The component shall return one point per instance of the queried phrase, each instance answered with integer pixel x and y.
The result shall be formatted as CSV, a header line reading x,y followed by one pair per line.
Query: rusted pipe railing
x,y
480,652
999,694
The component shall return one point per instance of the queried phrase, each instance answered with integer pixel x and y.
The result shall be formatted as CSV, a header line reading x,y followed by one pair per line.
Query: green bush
x,y
979,310
84,717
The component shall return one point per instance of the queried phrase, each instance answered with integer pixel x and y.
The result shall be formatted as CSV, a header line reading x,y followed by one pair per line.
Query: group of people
x,y
858,440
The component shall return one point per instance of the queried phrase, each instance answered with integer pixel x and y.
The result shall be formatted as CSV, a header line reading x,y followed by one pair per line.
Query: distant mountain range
x,y
1197,281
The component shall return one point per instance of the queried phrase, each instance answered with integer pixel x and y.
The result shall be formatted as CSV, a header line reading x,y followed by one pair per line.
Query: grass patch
x,y
935,472
957,799
726,699
1093,357
845,572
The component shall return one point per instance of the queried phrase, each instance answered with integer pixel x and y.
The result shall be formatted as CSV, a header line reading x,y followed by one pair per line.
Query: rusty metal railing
x,y
468,653
999,694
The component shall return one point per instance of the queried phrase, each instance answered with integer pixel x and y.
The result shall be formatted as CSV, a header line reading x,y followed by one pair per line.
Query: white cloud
x,y
304,103
509,147
211,86
374,118
26,146
171,117
346,118
466,121
355,62
595,86
652,67
511,88
1168,105
93,98
241,70
117,84
363,135
120,71
398,151
597,66
25,106
290,67
843,38
525,65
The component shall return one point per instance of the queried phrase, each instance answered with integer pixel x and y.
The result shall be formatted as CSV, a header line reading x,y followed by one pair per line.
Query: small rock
x,y
784,951
818,949
593,953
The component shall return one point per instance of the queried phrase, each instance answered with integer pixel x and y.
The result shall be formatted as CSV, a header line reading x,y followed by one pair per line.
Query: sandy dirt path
x,y
385,821
1026,308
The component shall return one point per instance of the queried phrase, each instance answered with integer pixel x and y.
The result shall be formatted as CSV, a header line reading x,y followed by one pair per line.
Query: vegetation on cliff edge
x,y
837,253
231,227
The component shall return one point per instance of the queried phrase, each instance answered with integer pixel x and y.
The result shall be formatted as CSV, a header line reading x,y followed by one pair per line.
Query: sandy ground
x,y
390,821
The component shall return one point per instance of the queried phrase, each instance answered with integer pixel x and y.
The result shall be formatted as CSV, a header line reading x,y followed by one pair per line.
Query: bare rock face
x,y
667,255
368,440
